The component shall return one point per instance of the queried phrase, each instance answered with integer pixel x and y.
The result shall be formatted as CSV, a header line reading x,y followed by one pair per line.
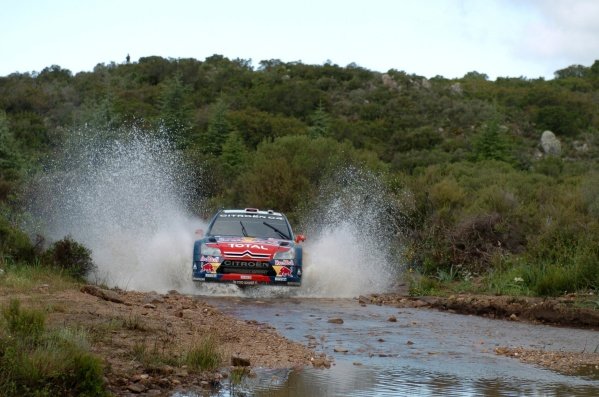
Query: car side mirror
x,y
200,233
299,238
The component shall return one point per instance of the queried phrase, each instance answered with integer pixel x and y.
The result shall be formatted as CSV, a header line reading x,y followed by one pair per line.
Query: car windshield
x,y
246,225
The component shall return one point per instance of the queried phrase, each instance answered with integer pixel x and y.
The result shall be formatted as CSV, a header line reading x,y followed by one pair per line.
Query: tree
x,y
572,71
11,160
234,155
174,110
320,122
218,129
491,143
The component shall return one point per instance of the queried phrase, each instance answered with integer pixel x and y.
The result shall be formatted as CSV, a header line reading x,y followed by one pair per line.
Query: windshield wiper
x,y
280,233
245,232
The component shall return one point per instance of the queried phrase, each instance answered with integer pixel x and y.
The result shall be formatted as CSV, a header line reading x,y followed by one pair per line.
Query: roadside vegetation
x,y
486,205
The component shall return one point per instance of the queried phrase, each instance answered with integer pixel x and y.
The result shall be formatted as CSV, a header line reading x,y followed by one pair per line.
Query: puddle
x,y
422,353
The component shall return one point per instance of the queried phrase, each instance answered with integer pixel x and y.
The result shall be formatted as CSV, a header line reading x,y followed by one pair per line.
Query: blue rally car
x,y
248,247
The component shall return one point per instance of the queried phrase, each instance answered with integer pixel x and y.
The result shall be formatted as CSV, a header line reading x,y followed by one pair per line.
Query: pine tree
x,y
234,154
320,122
218,130
491,143
174,110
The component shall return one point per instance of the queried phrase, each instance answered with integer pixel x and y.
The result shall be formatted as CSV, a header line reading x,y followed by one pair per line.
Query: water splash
x,y
123,194
352,243
351,235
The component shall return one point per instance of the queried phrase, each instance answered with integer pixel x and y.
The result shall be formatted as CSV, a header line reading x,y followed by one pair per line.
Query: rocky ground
x,y
573,310
139,334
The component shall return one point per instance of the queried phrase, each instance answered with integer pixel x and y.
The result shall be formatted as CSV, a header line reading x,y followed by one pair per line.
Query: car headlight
x,y
289,254
209,251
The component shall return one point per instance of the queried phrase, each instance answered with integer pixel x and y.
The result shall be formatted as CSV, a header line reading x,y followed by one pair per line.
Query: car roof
x,y
252,211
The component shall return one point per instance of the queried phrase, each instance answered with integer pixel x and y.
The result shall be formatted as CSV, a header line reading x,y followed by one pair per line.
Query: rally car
x,y
248,247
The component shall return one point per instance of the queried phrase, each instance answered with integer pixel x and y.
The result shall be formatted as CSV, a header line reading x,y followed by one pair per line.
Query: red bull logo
x,y
207,267
284,271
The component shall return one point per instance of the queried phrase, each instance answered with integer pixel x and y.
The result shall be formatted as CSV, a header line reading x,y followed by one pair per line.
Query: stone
x,y
101,293
392,319
363,299
149,306
335,320
237,361
550,144
136,387
153,297
320,362
340,349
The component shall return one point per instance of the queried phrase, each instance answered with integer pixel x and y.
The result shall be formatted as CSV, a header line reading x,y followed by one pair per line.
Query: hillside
x,y
475,196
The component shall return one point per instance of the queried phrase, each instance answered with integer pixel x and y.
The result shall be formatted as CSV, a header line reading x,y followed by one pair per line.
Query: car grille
x,y
246,267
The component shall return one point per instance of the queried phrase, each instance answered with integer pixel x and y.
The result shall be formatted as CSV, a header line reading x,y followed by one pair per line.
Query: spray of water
x,y
353,235
122,194
125,193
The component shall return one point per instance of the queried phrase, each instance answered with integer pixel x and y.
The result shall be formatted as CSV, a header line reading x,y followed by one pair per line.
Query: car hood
x,y
250,248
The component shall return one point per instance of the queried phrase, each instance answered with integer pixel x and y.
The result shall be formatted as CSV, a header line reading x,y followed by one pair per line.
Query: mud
x,y
564,311
124,324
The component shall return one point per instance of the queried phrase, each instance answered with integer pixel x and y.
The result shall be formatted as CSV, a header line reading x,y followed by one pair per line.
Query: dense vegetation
x,y
482,200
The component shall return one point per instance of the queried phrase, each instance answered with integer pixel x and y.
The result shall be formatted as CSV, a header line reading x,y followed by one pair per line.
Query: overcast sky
x,y
530,38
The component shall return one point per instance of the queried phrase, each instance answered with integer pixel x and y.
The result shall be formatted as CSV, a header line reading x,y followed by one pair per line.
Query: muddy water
x,y
423,353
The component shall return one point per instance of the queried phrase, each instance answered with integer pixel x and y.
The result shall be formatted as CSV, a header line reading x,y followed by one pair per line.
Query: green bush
x,y
14,244
71,256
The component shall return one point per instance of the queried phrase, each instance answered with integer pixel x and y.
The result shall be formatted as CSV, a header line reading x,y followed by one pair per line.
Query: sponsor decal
x,y
256,216
207,267
211,275
245,282
210,259
245,277
246,264
284,271
286,262
248,246
280,278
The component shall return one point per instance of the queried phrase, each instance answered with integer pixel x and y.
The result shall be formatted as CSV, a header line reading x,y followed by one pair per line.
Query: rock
x,y
153,297
392,319
181,372
409,343
388,81
335,320
149,306
320,362
363,300
340,349
550,144
101,293
513,317
456,89
582,147
136,387
237,361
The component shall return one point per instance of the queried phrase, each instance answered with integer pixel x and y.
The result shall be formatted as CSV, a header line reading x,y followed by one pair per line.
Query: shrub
x,y
14,243
69,255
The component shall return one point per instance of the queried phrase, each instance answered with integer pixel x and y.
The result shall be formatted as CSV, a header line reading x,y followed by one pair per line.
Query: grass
x,y
204,355
20,278
36,361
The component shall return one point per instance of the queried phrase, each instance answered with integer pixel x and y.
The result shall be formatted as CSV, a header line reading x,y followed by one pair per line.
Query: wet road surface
x,y
421,353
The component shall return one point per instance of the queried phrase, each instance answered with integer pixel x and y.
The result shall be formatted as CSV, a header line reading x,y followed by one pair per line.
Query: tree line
x,y
481,198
